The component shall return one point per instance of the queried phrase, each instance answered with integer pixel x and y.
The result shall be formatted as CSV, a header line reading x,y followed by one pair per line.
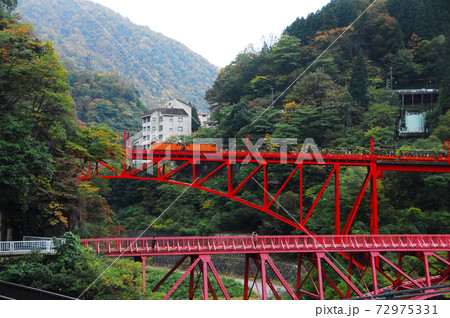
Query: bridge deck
x,y
266,244
384,160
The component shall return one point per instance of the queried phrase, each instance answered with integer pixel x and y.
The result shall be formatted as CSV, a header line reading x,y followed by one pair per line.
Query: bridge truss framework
x,y
365,265
421,262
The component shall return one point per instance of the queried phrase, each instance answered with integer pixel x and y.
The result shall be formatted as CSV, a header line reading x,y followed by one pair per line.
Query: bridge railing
x,y
266,243
342,153
25,247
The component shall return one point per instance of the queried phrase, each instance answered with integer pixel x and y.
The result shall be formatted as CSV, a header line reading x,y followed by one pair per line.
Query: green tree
x,y
106,99
358,81
286,54
39,190
76,271
405,70
309,122
345,13
444,92
8,5
96,144
442,131
196,124
315,89
233,118
36,120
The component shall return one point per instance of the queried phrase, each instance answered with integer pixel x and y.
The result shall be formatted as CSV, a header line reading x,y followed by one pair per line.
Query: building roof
x,y
182,101
167,111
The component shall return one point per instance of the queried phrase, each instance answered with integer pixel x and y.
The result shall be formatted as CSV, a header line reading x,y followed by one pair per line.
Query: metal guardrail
x,y
26,247
418,91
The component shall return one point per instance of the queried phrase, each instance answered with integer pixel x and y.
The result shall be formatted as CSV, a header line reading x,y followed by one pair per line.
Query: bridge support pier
x,y
144,281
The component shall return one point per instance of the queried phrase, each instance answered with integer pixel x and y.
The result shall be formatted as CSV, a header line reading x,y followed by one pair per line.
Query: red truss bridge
x,y
421,268
363,254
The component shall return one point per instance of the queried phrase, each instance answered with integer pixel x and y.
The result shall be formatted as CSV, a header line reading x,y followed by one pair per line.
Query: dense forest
x,y
83,45
106,99
51,111
38,137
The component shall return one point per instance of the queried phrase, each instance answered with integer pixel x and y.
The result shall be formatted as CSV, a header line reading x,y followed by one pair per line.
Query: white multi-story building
x,y
204,117
173,120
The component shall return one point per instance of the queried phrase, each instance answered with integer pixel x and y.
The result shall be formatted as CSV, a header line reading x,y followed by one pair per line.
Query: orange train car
x,y
166,146
201,147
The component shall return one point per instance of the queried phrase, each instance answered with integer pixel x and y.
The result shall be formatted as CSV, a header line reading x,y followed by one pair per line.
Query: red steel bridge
x,y
422,263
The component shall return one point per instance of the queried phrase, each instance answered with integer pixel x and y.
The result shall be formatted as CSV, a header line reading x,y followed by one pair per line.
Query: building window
x,y
160,137
154,128
180,119
180,128
170,129
160,128
153,119
170,119
161,118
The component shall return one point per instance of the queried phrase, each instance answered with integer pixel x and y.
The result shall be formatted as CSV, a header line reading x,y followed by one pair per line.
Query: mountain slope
x,y
81,43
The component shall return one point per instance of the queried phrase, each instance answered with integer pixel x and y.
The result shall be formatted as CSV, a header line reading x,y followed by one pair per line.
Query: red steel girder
x,y
375,160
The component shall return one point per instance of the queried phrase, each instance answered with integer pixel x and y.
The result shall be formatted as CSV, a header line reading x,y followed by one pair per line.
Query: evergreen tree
x,y
444,93
358,81
195,120
423,17
8,5
345,13
405,70
286,54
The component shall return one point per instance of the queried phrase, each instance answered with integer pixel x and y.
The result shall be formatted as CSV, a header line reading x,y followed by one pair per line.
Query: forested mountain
x,y
82,44
106,99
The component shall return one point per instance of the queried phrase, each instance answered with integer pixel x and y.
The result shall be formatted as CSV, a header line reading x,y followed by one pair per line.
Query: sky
x,y
217,30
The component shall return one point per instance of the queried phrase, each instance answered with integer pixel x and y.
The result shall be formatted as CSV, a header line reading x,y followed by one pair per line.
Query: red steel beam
x,y
168,274
318,196
246,180
181,279
282,187
176,171
212,174
355,207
